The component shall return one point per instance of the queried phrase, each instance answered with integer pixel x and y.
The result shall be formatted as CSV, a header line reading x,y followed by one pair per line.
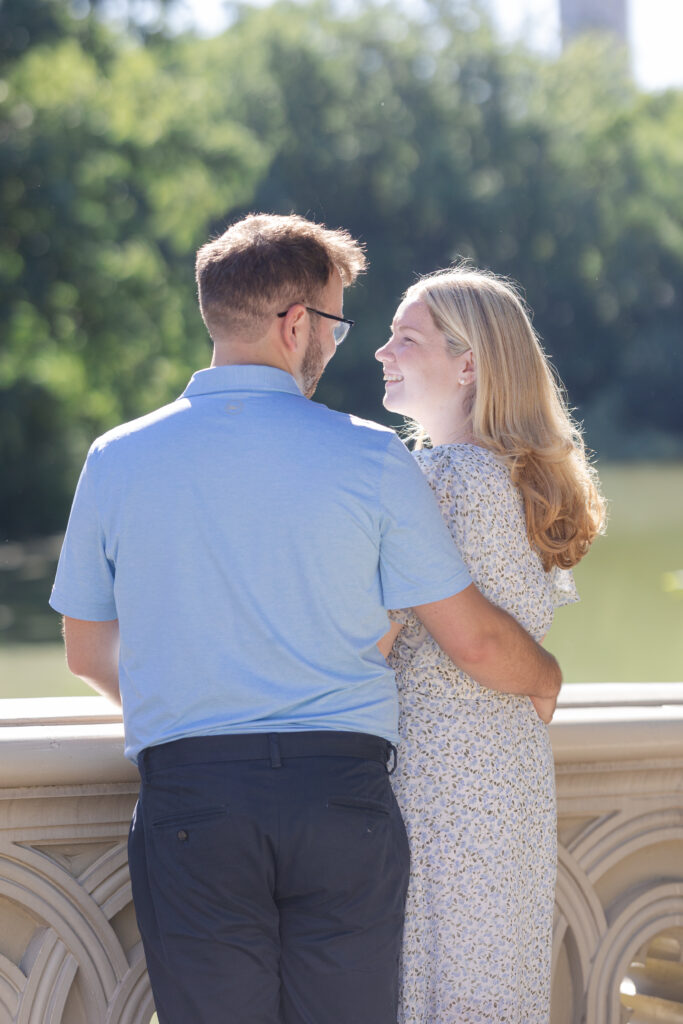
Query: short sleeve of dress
x,y
418,563
563,587
447,478
446,485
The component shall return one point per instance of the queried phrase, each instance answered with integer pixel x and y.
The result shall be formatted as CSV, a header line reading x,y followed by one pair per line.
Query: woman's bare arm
x,y
387,641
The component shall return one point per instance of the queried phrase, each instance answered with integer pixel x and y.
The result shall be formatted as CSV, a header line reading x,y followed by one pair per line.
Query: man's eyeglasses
x,y
341,328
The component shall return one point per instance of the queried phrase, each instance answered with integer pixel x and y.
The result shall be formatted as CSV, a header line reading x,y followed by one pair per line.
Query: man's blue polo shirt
x,y
250,541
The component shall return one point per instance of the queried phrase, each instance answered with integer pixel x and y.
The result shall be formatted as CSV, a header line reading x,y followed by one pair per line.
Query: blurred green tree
x,y
431,141
121,151
111,166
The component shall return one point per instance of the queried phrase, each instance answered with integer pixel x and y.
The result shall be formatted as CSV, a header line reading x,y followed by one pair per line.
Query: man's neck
x,y
245,360
237,354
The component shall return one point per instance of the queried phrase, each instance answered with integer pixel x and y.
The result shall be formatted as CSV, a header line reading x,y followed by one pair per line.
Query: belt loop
x,y
142,767
274,747
393,754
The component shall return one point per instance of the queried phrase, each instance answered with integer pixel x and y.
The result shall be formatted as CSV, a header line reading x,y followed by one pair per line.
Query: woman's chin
x,y
391,402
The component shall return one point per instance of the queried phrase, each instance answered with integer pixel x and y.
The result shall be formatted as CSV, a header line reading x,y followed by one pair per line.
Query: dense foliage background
x,y
122,149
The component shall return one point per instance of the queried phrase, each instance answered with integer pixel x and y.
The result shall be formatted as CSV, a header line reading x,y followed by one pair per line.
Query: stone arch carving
x,y
132,1002
651,912
600,848
611,898
52,970
72,936
578,909
12,982
107,881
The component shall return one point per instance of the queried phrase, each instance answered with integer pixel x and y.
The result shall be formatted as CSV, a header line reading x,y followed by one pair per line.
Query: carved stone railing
x,y
619,899
70,951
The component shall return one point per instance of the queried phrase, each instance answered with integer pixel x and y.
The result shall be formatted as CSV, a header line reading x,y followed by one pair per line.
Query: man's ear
x,y
293,332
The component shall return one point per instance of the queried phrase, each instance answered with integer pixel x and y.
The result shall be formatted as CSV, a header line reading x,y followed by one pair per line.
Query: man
x,y
242,545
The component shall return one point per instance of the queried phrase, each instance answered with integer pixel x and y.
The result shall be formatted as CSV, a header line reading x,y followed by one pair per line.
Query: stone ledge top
x,y
592,695
43,710
34,710
79,740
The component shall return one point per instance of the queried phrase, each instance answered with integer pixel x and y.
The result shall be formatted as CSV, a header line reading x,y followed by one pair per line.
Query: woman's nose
x,y
383,352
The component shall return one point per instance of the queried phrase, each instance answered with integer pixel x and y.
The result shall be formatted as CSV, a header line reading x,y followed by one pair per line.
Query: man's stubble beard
x,y
313,364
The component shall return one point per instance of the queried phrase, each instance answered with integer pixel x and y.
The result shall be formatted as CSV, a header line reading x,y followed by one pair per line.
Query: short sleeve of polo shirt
x,y
419,562
84,584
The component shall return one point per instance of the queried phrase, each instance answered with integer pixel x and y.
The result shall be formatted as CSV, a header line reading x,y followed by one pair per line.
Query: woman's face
x,y
420,374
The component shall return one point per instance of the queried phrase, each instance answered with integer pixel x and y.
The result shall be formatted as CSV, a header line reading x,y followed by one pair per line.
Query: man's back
x,y
254,539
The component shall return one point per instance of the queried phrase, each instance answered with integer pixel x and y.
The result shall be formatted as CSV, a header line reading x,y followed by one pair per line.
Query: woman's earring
x,y
461,380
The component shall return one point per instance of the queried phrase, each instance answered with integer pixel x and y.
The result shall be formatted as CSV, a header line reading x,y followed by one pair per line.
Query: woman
x,y
475,779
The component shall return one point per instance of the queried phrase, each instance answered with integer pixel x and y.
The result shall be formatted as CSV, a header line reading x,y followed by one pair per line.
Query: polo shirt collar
x,y
241,378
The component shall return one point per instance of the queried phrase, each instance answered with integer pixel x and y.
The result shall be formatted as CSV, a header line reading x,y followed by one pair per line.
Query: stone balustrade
x,y
69,947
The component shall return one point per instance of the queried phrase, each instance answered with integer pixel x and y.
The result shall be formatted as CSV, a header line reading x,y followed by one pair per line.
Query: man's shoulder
x,y
358,422
356,428
137,429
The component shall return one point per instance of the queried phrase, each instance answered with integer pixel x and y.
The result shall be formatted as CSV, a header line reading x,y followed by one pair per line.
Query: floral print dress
x,y
475,779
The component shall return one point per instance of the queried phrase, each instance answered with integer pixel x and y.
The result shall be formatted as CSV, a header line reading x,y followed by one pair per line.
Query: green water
x,y
628,626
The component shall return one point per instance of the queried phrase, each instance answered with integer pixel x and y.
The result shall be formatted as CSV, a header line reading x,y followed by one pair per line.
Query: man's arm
x,y
92,653
490,645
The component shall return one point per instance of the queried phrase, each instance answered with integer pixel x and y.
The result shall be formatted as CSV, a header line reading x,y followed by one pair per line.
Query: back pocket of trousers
x,y
358,804
185,821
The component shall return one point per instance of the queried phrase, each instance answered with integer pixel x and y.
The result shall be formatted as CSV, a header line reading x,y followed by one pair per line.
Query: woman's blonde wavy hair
x,y
518,408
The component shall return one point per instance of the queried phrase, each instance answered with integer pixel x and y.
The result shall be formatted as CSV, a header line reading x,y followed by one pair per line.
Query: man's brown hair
x,y
264,263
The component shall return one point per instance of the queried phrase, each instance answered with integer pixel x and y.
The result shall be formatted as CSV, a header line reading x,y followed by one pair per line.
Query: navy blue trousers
x,y
270,889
